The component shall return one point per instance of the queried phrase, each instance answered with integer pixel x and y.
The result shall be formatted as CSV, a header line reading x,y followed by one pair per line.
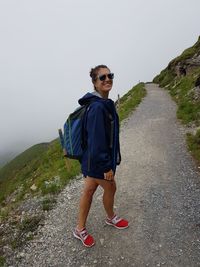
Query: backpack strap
x,y
83,127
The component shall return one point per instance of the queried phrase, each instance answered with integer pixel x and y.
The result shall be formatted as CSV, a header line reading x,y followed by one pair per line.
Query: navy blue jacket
x,y
101,131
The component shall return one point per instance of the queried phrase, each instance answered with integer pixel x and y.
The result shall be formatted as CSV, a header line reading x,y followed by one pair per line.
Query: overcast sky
x,y
47,48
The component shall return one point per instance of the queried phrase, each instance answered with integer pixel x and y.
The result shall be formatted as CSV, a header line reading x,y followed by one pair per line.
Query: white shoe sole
x,y
121,228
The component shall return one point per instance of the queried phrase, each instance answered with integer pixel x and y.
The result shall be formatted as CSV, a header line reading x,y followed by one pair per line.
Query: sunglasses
x,y
110,76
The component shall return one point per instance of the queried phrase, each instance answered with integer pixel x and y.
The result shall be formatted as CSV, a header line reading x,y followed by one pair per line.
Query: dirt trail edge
x,y
158,192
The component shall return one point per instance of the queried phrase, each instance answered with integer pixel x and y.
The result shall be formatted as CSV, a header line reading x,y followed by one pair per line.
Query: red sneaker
x,y
117,222
86,239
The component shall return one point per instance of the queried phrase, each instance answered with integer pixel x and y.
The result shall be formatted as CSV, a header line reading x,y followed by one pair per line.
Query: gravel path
x,y
158,192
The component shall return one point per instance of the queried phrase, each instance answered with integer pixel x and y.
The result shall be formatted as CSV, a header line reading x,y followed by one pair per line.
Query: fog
x,y
48,47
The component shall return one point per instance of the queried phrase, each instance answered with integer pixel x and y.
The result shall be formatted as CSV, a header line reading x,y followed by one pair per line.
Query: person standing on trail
x,y
101,154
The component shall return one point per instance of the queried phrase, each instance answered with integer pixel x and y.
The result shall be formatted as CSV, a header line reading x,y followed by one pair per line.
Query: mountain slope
x,y
182,79
22,160
5,158
35,171
187,64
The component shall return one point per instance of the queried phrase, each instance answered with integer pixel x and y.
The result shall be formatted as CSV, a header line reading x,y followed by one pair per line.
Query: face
x,y
103,87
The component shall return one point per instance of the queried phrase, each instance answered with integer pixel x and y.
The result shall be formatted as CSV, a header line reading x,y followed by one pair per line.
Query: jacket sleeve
x,y
98,139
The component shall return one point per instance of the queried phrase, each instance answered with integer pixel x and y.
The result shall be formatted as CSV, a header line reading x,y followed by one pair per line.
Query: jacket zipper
x,y
88,161
111,134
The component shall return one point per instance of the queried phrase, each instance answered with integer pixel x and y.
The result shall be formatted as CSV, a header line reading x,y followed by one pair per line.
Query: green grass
x,y
45,168
4,211
2,261
165,77
25,230
188,53
131,100
22,160
48,203
193,142
30,224
188,110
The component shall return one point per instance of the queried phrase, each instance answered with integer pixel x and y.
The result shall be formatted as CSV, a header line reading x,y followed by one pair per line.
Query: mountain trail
x,y
158,192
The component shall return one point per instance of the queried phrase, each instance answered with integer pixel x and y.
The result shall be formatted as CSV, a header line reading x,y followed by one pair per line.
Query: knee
x,y
89,191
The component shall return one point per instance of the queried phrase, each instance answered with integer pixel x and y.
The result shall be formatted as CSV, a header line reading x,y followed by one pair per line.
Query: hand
x,y
109,176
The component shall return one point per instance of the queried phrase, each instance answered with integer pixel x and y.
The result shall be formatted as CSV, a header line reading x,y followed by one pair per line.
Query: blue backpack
x,y
73,141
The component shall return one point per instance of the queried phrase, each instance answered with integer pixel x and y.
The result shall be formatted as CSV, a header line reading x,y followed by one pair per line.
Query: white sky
x,y
48,47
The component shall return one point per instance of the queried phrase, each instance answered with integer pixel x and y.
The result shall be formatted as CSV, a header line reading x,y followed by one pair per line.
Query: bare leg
x,y
90,187
108,196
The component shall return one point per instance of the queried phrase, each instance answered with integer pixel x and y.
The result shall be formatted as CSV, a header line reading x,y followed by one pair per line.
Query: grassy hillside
x,y
39,170
22,160
179,78
42,169
5,158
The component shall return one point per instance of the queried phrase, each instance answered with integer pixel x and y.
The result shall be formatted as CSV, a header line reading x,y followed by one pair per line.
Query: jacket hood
x,y
89,97
96,97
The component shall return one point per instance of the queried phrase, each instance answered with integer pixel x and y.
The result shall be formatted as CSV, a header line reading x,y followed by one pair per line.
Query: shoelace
x,y
83,234
115,219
